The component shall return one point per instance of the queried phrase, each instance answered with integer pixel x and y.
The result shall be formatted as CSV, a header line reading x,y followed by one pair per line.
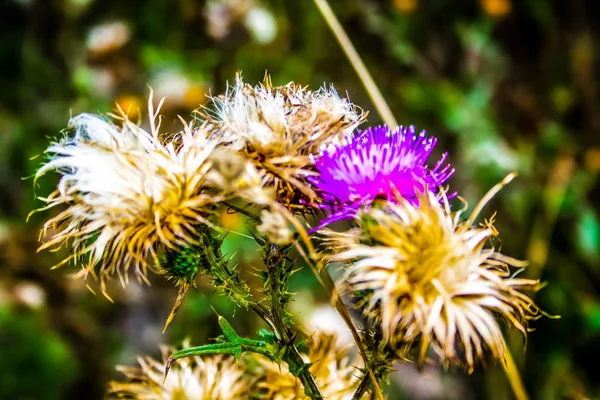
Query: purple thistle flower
x,y
377,163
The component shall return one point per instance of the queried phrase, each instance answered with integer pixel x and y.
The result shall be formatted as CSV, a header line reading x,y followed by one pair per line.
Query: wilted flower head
x,y
194,378
128,194
377,162
280,127
427,278
331,366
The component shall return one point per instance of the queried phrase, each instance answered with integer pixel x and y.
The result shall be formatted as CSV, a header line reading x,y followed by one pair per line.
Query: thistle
x,y
278,128
427,279
195,378
137,200
128,195
376,163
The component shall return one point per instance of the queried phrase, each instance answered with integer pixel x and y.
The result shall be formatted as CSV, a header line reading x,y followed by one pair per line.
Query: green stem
x,y
235,288
230,343
276,286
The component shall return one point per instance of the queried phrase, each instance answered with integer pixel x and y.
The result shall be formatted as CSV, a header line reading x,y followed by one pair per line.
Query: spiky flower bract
x,y
377,163
128,195
335,371
194,378
278,128
427,279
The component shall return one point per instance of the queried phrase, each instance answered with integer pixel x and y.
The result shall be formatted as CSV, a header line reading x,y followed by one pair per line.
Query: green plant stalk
x,y
325,280
228,280
276,282
380,360
230,343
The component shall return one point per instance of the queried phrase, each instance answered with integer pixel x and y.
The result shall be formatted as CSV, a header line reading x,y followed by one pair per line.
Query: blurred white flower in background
x,y
221,15
108,36
326,319
261,24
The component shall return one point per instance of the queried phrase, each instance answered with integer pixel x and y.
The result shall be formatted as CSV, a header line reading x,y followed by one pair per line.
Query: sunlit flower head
x,y
428,279
377,163
280,127
193,378
127,194
336,372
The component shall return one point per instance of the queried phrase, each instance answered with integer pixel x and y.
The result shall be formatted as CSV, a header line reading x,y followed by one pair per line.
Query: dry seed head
x,y
127,194
280,128
193,378
426,278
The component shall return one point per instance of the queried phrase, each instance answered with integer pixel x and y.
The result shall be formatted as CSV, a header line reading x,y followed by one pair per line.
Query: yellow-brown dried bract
x,y
128,194
194,378
279,128
427,279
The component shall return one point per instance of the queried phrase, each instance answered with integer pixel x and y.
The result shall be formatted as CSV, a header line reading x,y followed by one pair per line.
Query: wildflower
x,y
331,366
427,278
194,378
279,128
377,163
128,195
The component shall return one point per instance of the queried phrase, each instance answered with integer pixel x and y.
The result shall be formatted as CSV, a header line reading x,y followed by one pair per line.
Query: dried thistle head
x,y
427,279
128,194
278,128
335,371
194,378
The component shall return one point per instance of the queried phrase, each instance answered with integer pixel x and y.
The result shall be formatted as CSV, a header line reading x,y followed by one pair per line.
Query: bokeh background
x,y
506,85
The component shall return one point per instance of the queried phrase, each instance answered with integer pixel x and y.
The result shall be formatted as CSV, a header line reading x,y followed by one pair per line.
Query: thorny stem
x,y
276,282
237,290
230,343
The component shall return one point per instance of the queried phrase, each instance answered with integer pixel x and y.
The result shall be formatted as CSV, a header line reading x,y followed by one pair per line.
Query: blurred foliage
x,y
34,357
505,85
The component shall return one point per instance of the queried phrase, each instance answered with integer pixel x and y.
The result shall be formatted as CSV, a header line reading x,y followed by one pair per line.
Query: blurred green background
x,y
506,85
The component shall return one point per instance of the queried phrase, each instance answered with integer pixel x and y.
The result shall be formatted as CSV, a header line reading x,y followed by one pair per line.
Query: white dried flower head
x,y
427,278
193,378
221,15
127,193
275,227
337,373
280,128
